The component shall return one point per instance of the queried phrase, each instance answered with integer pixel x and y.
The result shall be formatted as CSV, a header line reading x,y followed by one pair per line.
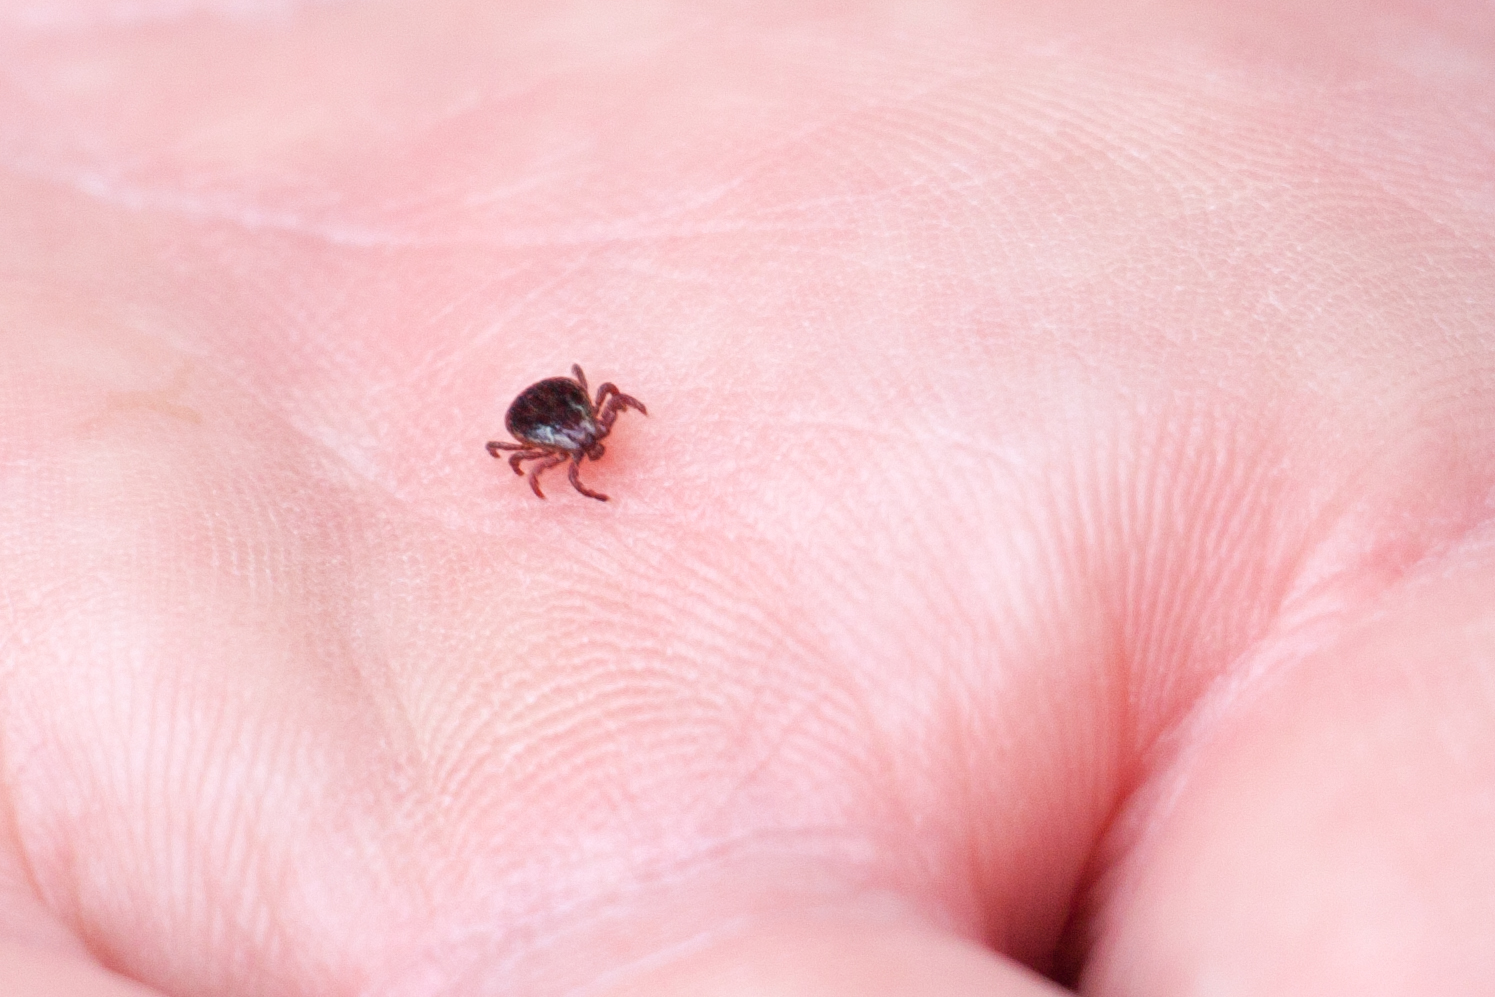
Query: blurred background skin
x,y
1058,544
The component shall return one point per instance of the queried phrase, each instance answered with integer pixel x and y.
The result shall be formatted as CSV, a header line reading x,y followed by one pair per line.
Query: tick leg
x,y
534,472
574,475
525,453
581,378
522,456
617,403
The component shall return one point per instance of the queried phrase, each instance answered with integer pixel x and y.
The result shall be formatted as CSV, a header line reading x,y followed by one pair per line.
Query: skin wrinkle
x,y
195,206
198,208
528,930
525,928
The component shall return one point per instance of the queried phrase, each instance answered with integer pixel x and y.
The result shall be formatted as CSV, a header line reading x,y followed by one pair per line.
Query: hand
x,y
1058,543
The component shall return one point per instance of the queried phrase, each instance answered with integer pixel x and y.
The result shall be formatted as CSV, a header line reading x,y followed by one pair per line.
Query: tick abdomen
x,y
555,413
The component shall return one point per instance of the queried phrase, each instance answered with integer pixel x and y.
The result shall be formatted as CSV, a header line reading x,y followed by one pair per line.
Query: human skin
x,y
1058,544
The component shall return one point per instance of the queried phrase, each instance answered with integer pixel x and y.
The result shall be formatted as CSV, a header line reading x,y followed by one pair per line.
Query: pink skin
x,y
1060,538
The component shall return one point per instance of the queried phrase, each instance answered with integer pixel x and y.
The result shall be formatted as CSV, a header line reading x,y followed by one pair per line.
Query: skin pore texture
x,y
1058,554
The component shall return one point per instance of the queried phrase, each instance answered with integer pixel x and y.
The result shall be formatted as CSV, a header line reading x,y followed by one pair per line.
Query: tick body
x,y
556,420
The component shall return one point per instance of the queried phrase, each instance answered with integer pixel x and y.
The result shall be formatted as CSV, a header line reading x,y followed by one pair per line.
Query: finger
x,y
37,973
808,958
1334,833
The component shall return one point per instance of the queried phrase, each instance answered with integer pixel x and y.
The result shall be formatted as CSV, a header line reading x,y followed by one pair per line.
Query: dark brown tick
x,y
555,420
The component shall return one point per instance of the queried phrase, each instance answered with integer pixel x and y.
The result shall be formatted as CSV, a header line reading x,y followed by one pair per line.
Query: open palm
x,y
1058,543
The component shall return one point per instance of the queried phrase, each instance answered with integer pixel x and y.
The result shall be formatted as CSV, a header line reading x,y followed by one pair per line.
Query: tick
x,y
556,420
